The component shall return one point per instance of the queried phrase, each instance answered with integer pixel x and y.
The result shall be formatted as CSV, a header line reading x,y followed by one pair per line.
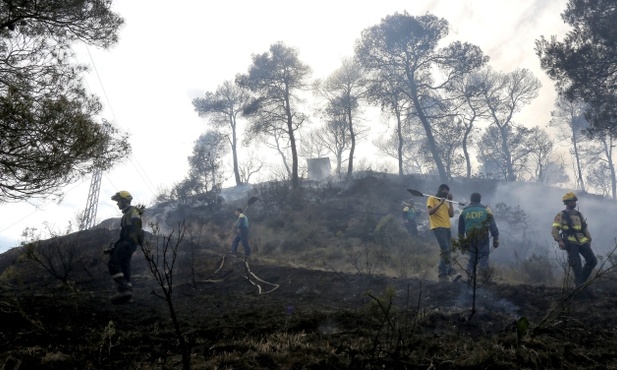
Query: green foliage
x,y
223,107
361,227
274,195
515,218
205,178
389,232
522,328
402,48
45,112
275,77
584,61
109,339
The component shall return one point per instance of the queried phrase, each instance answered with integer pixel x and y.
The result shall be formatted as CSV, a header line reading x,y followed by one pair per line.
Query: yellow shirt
x,y
441,218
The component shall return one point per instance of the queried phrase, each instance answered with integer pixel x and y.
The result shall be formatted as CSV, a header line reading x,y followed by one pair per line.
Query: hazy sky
x,y
172,52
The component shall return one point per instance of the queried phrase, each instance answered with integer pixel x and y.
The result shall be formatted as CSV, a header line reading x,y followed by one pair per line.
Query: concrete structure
x,y
318,168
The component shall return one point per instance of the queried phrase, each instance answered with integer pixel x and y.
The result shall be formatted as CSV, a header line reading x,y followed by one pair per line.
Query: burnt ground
x,y
313,320
316,318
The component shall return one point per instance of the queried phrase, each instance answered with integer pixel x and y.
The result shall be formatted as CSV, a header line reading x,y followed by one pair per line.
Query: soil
x,y
309,319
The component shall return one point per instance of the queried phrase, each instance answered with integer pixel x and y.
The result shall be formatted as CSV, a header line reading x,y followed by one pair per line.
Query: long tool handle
x,y
420,194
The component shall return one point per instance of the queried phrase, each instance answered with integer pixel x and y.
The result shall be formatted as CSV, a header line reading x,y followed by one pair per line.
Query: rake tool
x,y
417,193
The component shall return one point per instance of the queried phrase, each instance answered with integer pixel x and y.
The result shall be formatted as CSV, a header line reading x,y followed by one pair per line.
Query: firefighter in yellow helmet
x,y
131,235
570,231
410,213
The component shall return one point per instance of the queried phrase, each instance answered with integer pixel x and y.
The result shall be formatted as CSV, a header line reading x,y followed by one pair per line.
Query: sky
x,y
172,52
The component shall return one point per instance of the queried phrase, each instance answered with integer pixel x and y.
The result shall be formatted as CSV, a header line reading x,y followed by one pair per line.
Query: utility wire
x,y
132,158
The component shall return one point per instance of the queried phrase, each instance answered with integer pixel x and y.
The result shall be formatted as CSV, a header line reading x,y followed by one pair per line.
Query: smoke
x,y
541,204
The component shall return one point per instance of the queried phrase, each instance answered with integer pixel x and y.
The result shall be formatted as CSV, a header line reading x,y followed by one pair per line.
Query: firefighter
x,y
242,233
131,235
570,231
410,213
476,225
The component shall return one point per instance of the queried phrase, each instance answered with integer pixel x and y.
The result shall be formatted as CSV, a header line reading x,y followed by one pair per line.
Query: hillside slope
x,y
335,283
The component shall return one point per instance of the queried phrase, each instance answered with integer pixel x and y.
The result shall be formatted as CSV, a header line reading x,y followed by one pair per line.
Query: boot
x,y
124,290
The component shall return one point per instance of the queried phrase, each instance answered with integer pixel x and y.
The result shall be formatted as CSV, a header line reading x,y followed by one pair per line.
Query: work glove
x,y
495,243
562,245
109,249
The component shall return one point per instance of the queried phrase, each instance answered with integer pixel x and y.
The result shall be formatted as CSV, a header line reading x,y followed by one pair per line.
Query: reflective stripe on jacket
x,y
561,230
131,227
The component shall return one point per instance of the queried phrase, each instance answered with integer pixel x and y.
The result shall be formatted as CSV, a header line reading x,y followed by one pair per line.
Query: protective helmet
x,y
569,196
122,195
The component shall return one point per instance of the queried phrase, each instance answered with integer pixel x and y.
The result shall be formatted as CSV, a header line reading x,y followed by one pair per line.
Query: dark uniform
x,y
410,213
474,225
570,231
131,235
242,234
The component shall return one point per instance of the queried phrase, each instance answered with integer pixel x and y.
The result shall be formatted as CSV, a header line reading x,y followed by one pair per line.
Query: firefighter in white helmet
x,y
131,235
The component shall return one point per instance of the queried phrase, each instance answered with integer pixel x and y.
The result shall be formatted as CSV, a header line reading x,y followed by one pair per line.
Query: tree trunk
x,y
295,181
466,151
399,132
352,136
510,175
608,147
234,152
430,139
577,158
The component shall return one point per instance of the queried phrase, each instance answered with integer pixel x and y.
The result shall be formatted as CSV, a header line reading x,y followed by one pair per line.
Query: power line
x,y
133,159
101,83
142,173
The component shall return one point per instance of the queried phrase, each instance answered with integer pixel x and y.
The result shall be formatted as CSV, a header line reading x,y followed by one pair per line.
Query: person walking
x,y
410,213
242,233
476,225
571,233
439,214
131,235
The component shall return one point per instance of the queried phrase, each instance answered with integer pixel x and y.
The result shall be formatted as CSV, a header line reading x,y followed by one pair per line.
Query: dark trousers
x,y
241,236
478,257
412,227
581,273
120,260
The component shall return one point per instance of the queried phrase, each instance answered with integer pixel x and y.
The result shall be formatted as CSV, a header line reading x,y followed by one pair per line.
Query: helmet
x,y
569,196
122,195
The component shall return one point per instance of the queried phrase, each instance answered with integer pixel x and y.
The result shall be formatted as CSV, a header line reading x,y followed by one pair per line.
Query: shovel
x,y
250,202
416,193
